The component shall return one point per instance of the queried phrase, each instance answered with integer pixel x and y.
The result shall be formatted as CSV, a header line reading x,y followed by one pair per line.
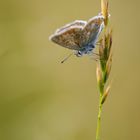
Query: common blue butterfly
x,y
79,35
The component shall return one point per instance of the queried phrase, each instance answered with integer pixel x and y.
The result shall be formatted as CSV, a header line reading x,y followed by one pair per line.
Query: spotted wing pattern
x,y
79,34
69,36
93,28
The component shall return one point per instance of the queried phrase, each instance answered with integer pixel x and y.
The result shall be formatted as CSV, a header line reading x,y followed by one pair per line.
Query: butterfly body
x,y
87,49
79,35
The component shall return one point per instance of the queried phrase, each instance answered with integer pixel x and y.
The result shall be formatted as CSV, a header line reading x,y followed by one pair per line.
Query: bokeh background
x,y
41,99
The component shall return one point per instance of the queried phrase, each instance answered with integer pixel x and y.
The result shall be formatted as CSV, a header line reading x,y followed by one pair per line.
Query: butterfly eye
x,y
79,53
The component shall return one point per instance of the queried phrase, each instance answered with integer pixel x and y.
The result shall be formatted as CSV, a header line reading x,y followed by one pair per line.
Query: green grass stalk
x,y
104,65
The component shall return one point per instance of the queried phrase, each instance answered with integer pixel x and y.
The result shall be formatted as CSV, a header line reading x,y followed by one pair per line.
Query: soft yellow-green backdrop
x,y
41,99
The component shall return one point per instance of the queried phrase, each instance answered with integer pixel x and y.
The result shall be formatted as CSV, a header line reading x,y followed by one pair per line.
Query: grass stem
x,y
99,118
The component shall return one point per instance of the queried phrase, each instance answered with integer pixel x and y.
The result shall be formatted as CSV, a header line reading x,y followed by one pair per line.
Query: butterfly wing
x,y
93,28
69,36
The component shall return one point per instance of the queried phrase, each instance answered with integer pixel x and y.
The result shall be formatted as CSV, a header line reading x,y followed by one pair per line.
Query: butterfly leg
x,y
94,56
98,42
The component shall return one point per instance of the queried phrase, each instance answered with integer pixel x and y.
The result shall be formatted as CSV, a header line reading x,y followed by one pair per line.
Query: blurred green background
x,y
41,99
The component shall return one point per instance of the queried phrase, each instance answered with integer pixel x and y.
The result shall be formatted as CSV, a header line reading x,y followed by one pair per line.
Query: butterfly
x,y
80,36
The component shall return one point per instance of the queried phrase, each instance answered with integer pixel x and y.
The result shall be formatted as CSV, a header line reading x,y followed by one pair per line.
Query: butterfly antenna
x,y
67,57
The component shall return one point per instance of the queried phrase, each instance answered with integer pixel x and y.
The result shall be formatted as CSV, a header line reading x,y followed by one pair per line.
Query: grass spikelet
x,y
104,64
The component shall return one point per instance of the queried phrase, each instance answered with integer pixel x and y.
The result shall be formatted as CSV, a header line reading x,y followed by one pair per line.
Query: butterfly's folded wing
x,y
69,36
93,28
